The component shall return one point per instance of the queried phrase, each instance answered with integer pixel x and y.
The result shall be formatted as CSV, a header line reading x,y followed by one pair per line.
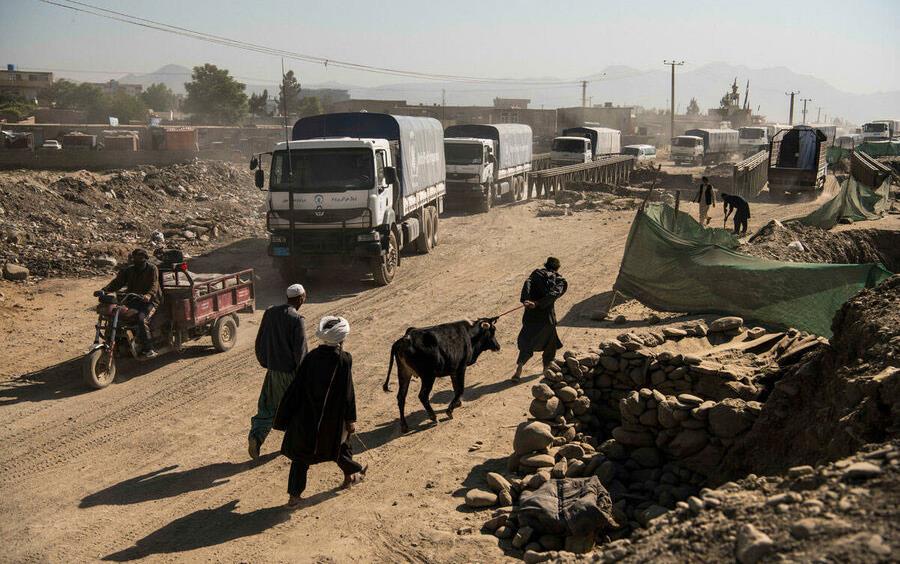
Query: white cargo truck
x,y
881,130
486,163
752,139
354,189
714,145
584,144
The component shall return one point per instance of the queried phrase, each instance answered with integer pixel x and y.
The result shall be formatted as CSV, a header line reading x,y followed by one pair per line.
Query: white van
x,y
640,152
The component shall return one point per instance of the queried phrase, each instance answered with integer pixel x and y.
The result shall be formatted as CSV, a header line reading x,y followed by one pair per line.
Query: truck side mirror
x,y
260,179
390,174
254,162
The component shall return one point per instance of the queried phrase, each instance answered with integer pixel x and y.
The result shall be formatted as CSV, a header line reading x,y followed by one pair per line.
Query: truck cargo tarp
x,y
421,141
514,140
873,149
854,202
681,272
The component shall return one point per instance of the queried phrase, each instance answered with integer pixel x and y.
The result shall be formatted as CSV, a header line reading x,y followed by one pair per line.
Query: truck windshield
x,y
752,133
568,145
462,153
636,151
875,127
685,142
323,170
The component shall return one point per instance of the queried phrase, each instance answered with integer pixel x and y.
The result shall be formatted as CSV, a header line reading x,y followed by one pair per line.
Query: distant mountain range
x,y
623,85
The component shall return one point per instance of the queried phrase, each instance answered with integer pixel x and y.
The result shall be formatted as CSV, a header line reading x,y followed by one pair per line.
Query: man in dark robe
x,y
318,411
741,210
539,295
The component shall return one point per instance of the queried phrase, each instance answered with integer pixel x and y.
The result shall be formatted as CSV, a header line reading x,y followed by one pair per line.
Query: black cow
x,y
442,350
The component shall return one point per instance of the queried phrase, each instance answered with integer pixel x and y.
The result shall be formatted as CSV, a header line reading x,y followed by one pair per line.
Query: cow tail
x,y
387,381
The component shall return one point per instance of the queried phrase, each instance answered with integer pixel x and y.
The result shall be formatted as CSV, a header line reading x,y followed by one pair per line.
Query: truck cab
x,y
687,149
330,197
470,161
570,150
878,131
751,140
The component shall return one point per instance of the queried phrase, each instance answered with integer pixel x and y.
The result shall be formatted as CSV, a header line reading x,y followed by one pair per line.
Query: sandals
x,y
354,479
295,502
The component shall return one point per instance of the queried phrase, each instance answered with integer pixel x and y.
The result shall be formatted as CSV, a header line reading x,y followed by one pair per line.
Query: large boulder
x,y
480,498
532,436
726,324
15,272
729,418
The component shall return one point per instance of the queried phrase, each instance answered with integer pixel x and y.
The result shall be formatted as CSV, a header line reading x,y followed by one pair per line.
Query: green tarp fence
x,y
683,271
854,202
874,149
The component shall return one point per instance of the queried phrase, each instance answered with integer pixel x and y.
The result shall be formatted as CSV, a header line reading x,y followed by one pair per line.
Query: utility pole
x,y
443,105
791,94
819,115
672,64
805,100
584,93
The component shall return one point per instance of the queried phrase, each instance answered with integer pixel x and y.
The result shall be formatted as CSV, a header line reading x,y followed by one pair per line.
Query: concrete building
x,y
114,86
25,84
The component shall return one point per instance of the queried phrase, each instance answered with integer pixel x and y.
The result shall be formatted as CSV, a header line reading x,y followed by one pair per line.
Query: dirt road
x,y
155,466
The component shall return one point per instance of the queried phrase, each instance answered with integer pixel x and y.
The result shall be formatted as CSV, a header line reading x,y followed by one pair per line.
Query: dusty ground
x,y
155,466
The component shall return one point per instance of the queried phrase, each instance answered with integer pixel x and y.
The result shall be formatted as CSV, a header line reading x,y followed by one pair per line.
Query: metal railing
x,y
751,174
612,170
540,161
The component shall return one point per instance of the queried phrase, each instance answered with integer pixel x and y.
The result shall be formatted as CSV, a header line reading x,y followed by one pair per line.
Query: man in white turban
x,y
318,411
280,348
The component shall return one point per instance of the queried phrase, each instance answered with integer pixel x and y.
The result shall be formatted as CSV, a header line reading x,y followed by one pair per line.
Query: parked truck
x,y
486,163
797,162
881,130
354,189
584,144
752,140
714,145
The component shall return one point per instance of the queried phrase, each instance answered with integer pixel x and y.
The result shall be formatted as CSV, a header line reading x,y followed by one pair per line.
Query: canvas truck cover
x,y
854,202
514,140
603,139
716,140
421,139
680,269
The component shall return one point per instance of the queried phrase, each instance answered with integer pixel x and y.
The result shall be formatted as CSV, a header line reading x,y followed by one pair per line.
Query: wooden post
x,y
677,205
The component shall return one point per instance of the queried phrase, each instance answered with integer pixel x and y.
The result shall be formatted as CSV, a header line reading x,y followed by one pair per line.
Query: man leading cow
x,y
538,334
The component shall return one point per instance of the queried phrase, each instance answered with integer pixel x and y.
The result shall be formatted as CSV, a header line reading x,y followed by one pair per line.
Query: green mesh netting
x,y
685,272
854,202
874,149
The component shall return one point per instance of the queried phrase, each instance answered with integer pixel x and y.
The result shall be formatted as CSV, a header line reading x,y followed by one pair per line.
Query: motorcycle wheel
x,y
95,371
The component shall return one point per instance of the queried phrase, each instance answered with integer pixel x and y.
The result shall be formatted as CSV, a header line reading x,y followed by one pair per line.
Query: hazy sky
x,y
853,45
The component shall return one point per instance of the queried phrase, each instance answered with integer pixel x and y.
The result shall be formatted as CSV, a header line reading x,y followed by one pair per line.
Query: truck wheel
x,y
386,268
487,200
224,334
435,222
424,241
97,370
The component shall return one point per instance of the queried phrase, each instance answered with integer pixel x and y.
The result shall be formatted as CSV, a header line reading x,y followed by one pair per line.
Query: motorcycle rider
x,y
142,278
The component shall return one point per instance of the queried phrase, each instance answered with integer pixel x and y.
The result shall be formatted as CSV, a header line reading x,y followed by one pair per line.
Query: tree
x,y
215,97
289,94
693,108
123,106
70,96
258,103
159,97
310,106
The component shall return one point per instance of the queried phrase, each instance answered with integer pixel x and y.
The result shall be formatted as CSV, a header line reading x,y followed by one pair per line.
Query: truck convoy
x,y
354,189
752,139
881,130
486,163
584,144
797,162
699,146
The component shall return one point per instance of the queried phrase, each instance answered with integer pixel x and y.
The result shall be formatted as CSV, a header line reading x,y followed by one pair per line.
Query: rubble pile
x,y
85,223
660,418
796,242
610,198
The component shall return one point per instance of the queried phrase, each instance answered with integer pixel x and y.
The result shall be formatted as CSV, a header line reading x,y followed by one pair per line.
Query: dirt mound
x,y
83,223
778,241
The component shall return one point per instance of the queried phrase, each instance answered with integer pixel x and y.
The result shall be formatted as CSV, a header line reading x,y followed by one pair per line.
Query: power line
x,y
122,17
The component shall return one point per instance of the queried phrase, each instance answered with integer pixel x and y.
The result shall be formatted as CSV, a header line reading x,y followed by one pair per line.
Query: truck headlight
x,y
371,236
278,239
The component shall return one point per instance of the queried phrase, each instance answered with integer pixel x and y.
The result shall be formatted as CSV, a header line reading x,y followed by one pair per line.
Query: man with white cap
x,y
280,348
318,411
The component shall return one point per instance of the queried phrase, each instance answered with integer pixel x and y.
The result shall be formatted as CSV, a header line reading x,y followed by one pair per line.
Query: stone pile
x,y
85,223
650,423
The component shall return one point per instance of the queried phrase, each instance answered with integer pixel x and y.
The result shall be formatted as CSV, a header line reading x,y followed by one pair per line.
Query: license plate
x,y
281,251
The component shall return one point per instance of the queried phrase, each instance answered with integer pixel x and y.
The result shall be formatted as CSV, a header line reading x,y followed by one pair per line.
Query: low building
x,y
114,86
26,84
